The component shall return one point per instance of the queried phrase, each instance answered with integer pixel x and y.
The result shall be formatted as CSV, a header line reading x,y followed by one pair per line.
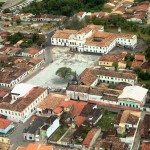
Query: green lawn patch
x,y
59,133
107,120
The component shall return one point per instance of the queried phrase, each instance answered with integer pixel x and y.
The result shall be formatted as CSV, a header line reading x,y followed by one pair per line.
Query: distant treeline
x,y
64,7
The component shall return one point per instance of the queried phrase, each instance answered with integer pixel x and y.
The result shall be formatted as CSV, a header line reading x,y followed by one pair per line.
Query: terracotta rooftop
x,y
20,104
6,23
58,110
77,106
129,116
80,13
4,92
145,146
4,123
20,66
90,137
136,64
139,57
33,146
110,57
89,75
79,120
34,50
64,34
107,93
52,101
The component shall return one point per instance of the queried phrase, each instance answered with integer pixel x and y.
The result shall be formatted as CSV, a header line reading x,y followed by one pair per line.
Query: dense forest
x,y
64,7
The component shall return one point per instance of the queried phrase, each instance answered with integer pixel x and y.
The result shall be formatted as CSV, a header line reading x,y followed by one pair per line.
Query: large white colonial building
x,y
20,104
92,39
131,96
92,77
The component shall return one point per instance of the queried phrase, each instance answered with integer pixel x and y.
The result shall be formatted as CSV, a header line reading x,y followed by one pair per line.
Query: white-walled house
x,y
133,96
21,102
21,77
41,127
93,76
53,124
86,93
73,38
5,125
93,39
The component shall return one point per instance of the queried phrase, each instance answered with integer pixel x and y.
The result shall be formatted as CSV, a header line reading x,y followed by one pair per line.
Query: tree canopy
x,y
64,7
64,72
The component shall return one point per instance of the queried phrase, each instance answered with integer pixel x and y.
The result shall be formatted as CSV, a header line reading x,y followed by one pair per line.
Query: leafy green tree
x,y
18,21
138,70
147,53
115,65
6,11
15,38
75,24
64,72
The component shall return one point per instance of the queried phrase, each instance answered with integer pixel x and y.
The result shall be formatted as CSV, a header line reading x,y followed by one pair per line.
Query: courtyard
x,y
62,57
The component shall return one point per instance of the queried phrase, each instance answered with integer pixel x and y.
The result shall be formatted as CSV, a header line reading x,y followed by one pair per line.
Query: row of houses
x,y
15,50
15,69
54,110
92,39
121,59
127,9
29,17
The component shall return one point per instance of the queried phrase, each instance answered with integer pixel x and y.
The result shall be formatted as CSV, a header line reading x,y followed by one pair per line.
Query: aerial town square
x,y
74,74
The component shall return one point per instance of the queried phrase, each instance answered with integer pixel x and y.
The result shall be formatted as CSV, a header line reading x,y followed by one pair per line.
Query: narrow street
x,y
47,55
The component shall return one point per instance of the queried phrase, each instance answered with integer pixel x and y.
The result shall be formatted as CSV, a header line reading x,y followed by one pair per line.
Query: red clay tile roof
x,y
33,146
110,57
34,50
79,120
77,106
6,23
80,14
145,145
52,101
23,102
58,110
143,7
89,137
4,123
89,75
136,64
139,57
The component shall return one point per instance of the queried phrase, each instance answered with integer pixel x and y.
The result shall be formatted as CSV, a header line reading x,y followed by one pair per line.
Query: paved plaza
x,y
62,57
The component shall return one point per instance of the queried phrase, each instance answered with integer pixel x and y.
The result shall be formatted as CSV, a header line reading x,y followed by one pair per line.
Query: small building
x,y
90,138
128,120
139,60
145,145
6,24
50,104
20,104
109,59
80,15
36,146
92,77
41,127
130,98
5,125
